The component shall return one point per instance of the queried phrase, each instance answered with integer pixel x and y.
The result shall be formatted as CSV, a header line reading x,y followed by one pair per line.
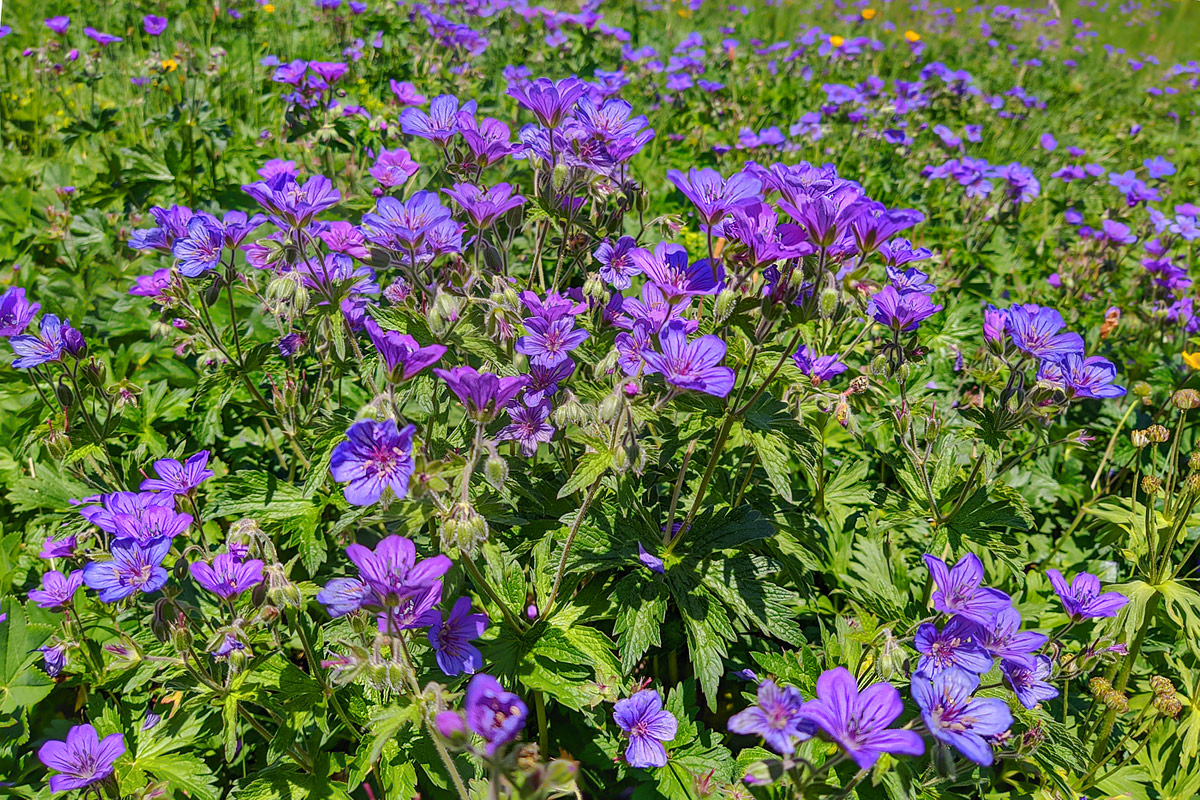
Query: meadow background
x,y
801,515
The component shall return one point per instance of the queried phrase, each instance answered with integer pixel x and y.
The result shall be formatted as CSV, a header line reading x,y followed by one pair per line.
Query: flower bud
x,y
181,637
595,289
495,471
66,397
453,728
1191,484
1151,484
1194,461
827,303
570,411
559,175
1139,439
491,257
213,293
73,342
1158,434
58,443
610,407
724,304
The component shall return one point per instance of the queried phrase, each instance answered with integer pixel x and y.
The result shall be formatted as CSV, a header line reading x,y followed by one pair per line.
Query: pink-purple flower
x,y
83,759
1083,599
451,639
227,576
860,721
649,727
374,457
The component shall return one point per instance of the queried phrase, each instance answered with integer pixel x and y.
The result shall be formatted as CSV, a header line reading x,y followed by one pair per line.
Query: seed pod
x,y
610,406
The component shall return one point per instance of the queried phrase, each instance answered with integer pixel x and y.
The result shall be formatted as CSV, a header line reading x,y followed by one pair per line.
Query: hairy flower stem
x,y
668,531
482,583
562,562
314,665
401,647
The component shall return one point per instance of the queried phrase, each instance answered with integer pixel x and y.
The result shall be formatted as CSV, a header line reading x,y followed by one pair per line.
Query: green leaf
x,y
590,467
184,773
22,685
642,608
773,456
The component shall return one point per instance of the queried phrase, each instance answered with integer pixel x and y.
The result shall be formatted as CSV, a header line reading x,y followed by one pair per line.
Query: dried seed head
x,y
1186,399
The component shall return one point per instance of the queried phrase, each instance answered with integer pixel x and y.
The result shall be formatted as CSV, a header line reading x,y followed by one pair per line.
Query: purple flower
x,y
290,203
126,510
554,307
175,478
649,726
1004,639
907,281
954,647
667,267
549,100
402,356
404,226
956,718
451,640
485,206
54,659
874,224
1083,599
617,265
81,760
995,324
1029,682
859,722
819,369
1089,377
777,717
959,589
374,457
1158,167
1048,142
712,195
200,250
57,590
901,312
1035,330
493,713
651,562
489,140
46,346
483,393
133,568
58,24
547,343
406,94
16,312
440,124
691,365
102,39
392,571
153,25
59,548
529,426
228,576
393,168
825,217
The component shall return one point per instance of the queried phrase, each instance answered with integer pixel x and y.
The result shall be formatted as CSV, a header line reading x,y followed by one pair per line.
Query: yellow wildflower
x,y
1191,359
912,36
836,41
868,13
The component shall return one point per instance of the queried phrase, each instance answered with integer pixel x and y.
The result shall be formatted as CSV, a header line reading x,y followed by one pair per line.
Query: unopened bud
x,y
724,304
213,293
610,406
1151,484
559,175
495,471
492,258
1194,461
1139,439
827,303
181,637
594,288
1158,433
